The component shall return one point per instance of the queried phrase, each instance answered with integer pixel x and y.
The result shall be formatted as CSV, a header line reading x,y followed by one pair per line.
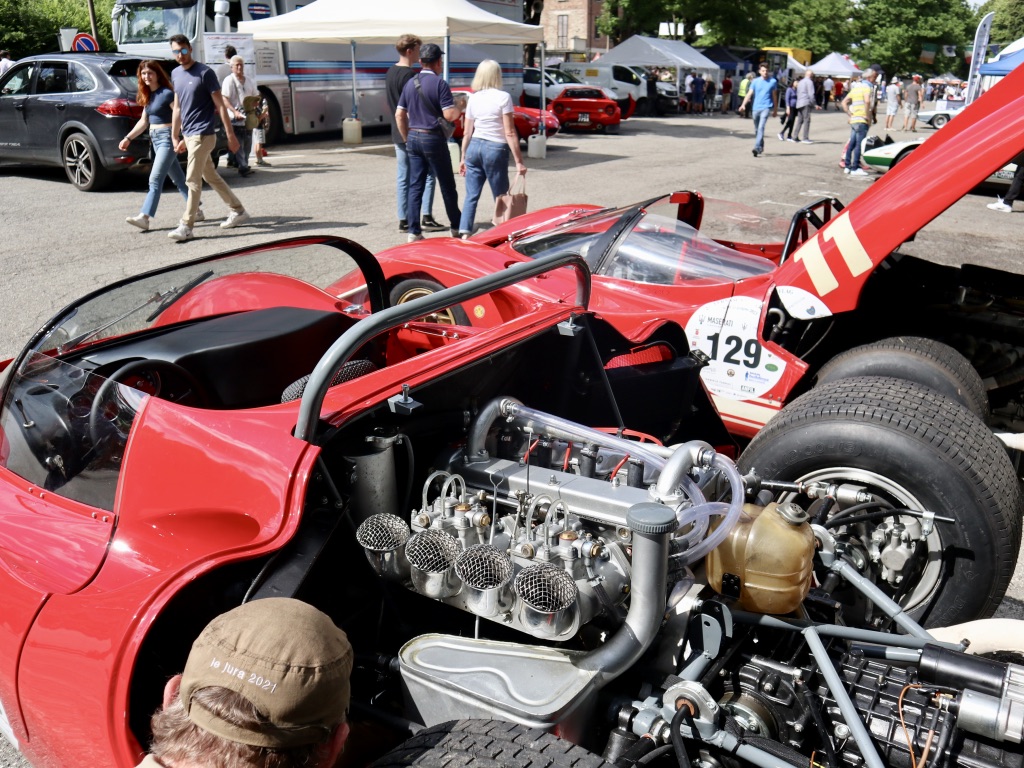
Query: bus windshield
x,y
157,20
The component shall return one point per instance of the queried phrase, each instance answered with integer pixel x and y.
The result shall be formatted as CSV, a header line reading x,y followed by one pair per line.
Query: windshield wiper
x,y
174,294
166,299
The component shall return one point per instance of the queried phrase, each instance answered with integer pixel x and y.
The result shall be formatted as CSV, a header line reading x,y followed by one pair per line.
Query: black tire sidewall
x,y
403,286
100,174
969,574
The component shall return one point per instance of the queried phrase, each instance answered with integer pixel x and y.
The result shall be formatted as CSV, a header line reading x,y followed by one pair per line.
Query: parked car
x,y
886,156
72,110
629,87
778,317
555,81
527,121
937,117
584,108
511,524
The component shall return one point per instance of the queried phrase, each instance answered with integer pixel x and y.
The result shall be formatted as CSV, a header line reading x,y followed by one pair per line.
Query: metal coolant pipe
x,y
652,525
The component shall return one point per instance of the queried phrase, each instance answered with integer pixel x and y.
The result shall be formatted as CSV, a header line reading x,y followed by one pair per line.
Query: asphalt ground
x,y
57,244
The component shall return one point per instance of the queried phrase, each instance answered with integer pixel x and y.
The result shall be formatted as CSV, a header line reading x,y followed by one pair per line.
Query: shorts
x,y
911,110
891,108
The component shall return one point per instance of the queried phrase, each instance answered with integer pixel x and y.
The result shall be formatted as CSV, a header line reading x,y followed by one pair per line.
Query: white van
x,y
629,87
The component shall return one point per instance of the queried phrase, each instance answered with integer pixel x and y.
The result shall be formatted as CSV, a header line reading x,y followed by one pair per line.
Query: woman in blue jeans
x,y
488,137
156,96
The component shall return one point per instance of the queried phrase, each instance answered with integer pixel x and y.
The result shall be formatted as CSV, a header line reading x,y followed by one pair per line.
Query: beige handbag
x,y
513,202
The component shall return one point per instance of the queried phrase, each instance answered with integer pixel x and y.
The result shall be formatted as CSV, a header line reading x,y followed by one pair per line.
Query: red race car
x,y
832,297
527,120
585,108
533,527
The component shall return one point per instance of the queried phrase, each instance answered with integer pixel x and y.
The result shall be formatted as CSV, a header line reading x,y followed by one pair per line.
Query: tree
x,y
892,34
1008,24
31,26
819,26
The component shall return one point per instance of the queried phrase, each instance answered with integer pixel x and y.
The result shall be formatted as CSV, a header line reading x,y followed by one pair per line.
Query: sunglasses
x,y
179,51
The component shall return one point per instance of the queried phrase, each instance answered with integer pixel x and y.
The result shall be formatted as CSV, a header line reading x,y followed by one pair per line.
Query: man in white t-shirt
x,y
826,93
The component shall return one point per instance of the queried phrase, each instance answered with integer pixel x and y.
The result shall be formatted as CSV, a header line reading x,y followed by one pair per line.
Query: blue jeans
x,y
165,163
428,155
485,161
244,146
858,131
760,121
402,181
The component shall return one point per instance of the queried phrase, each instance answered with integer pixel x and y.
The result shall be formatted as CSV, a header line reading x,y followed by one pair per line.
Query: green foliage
x,y
31,26
1008,24
892,33
819,26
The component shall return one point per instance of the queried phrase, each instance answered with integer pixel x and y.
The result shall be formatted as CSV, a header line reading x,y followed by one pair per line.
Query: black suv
x,y
72,110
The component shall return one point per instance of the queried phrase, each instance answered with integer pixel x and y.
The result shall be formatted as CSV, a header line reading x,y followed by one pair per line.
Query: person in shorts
x,y
912,103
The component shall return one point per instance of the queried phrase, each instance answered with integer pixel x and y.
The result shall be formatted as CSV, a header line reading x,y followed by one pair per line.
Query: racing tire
x,y
82,163
489,744
901,157
925,361
939,120
415,288
919,450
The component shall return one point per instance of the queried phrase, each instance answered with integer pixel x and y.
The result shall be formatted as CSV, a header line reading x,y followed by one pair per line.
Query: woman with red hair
x,y
156,96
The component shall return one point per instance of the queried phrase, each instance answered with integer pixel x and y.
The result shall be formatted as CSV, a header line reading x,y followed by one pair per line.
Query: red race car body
x,y
585,108
773,316
527,120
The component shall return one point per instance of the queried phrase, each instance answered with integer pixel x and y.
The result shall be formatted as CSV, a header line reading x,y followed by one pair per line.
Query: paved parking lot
x,y
58,243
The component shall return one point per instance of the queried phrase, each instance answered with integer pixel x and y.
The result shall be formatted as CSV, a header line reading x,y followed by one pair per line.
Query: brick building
x,y
570,29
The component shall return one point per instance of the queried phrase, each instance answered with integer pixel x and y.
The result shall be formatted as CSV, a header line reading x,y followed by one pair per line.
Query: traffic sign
x,y
84,42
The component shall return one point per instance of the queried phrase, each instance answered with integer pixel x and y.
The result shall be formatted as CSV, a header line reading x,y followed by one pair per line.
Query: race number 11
x,y
849,247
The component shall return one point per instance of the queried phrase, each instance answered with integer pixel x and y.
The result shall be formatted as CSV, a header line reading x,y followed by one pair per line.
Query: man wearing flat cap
x,y
266,683
425,101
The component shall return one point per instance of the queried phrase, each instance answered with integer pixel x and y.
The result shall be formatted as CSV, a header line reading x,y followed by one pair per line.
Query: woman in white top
x,y
488,137
235,88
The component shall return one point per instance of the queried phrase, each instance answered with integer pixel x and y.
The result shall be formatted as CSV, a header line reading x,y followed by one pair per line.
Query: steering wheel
x,y
166,380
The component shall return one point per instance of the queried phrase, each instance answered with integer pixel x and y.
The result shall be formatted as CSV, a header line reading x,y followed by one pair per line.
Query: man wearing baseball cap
x,y
265,683
425,100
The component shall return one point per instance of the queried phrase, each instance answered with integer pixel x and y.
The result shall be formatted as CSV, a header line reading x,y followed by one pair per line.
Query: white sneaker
x,y
781,137
181,233
1000,206
846,171
235,219
806,141
413,238
200,216
141,221
859,172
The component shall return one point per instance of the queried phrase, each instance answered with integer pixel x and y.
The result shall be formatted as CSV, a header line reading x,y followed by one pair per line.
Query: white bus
x,y
307,86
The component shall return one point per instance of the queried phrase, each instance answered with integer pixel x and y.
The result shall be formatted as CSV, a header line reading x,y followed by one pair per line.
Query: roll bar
x,y
379,322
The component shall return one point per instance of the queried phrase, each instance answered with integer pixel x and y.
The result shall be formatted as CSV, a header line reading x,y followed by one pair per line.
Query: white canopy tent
x,y
835,65
658,52
384,21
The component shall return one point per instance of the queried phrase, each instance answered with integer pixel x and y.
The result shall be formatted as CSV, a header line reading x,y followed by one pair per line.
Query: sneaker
x,y
465,236
181,233
200,216
846,171
260,161
141,221
428,224
755,152
1000,206
792,139
859,172
403,225
413,238
454,231
235,219
243,172
781,137
806,141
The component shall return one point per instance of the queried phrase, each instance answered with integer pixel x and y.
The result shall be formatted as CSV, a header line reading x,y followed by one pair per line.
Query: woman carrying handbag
x,y
488,138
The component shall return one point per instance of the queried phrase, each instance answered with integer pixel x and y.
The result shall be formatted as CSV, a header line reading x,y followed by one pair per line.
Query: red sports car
x,y
527,120
585,108
831,298
533,527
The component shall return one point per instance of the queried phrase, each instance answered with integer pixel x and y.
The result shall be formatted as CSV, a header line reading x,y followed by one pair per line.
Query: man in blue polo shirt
x,y
763,93
425,98
197,102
